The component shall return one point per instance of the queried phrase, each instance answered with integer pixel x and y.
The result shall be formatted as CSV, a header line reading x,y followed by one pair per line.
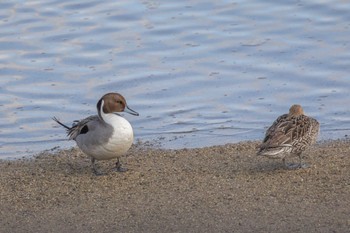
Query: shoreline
x,y
218,188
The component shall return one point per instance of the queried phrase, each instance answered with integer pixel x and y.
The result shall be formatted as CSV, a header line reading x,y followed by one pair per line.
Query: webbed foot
x,y
119,168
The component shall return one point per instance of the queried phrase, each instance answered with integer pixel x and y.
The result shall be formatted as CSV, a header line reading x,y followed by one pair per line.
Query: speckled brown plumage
x,y
291,133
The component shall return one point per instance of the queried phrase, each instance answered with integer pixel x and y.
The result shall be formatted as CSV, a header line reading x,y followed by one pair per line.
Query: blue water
x,y
199,73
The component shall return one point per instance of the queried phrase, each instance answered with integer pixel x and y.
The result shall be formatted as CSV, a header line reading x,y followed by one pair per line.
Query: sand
x,y
215,189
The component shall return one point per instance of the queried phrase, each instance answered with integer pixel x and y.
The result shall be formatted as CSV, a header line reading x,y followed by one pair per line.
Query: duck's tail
x,y
65,126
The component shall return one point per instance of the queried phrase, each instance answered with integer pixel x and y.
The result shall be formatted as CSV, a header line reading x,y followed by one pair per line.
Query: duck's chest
x,y
122,134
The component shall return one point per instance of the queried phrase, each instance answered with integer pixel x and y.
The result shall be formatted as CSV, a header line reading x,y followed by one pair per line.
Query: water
x,y
200,73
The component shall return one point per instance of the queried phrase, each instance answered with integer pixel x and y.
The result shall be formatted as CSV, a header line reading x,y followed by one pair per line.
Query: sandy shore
x,y
215,189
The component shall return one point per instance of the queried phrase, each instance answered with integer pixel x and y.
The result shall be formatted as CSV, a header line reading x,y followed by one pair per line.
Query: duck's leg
x,y
290,166
296,165
284,162
301,164
119,168
94,169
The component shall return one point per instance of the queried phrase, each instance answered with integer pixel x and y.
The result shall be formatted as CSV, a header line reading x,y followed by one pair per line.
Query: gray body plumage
x,y
99,131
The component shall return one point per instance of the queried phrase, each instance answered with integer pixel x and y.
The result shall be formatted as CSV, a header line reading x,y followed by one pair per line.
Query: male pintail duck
x,y
106,135
290,134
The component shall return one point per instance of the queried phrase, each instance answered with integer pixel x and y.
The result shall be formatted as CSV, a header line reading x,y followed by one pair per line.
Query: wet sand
x,y
215,189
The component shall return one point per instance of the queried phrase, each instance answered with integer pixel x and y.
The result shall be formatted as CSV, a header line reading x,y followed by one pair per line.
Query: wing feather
x,y
295,132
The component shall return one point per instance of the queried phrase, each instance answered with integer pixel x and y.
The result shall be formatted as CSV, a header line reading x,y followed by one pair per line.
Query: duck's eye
x,y
119,102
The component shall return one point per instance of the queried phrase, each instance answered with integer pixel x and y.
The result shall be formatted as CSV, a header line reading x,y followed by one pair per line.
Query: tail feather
x,y
65,126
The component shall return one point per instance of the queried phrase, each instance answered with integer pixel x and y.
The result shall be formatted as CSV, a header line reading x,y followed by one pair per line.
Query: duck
x,y
106,135
290,134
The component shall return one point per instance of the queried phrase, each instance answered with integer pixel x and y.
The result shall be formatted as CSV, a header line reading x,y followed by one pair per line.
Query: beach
x,y
213,189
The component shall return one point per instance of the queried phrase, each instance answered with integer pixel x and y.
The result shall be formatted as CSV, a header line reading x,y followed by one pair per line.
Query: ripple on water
x,y
199,73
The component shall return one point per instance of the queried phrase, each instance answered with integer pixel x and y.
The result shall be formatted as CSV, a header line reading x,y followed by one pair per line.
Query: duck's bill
x,y
129,110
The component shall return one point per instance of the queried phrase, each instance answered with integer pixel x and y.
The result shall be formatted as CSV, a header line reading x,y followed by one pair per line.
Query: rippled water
x,y
199,72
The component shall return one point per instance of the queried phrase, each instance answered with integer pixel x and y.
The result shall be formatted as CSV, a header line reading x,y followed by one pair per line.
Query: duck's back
x,y
291,134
